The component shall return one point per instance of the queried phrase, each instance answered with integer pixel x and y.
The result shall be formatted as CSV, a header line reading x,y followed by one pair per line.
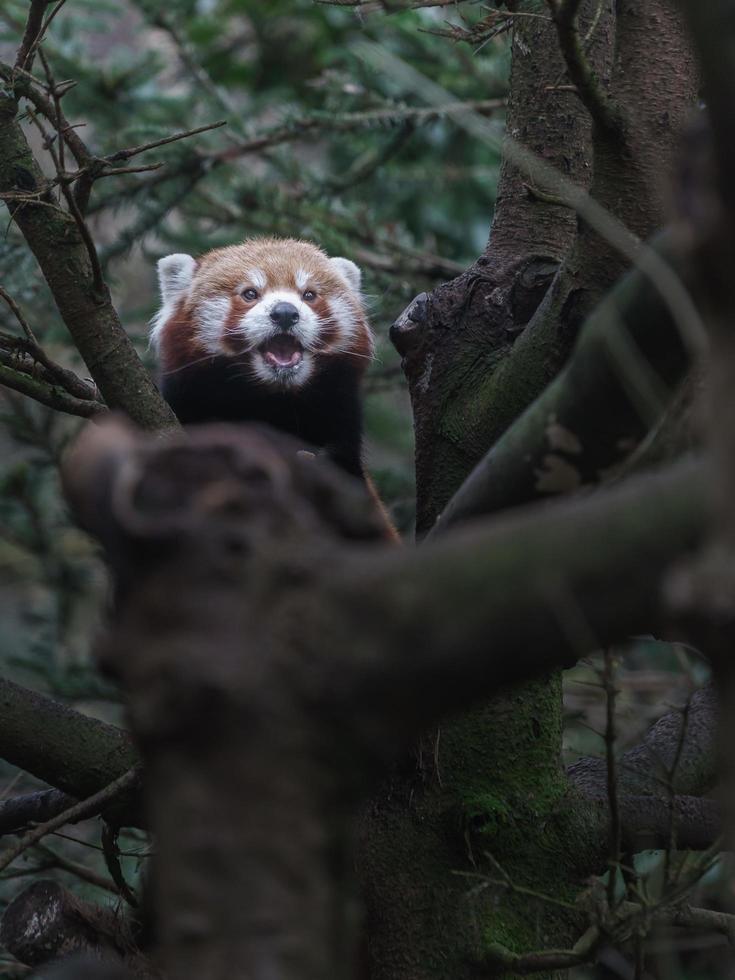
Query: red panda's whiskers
x,y
183,367
331,349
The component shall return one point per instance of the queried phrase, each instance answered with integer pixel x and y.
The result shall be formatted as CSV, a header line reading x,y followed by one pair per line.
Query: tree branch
x,y
33,31
132,151
73,752
32,808
48,394
627,361
14,349
438,604
646,769
646,822
124,785
496,580
54,238
617,929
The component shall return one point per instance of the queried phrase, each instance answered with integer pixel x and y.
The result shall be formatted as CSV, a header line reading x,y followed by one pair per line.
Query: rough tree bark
x,y
453,339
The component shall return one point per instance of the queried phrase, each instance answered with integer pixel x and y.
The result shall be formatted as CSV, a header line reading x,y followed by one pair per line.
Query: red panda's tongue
x,y
282,351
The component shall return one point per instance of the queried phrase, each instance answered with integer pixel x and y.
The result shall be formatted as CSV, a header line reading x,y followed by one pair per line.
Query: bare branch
x,y
643,770
185,134
608,679
27,59
17,313
98,281
33,30
48,394
20,811
71,751
621,926
81,810
81,871
28,358
646,822
30,89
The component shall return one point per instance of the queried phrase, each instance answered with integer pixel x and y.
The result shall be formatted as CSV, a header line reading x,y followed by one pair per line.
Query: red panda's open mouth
x,y
282,351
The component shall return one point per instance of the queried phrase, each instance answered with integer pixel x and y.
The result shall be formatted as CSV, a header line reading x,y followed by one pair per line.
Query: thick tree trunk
x,y
454,339
488,792
480,349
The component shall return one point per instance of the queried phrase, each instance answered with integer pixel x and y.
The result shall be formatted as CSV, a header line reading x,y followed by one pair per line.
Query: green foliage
x,y
346,161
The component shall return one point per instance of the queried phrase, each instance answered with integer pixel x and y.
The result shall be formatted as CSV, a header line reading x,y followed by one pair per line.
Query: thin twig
x,y
671,787
33,28
608,679
135,150
61,143
81,871
98,279
13,350
90,807
18,314
47,393
28,60
30,87
112,861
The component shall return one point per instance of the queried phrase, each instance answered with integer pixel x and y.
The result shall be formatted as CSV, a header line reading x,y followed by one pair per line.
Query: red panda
x,y
272,330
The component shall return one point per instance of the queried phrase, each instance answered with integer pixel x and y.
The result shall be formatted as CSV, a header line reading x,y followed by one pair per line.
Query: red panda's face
x,y
281,307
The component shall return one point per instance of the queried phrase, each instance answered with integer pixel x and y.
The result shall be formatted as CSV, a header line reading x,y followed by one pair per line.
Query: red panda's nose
x,y
284,315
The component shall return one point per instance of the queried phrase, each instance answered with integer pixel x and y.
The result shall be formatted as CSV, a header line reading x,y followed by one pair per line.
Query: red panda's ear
x,y
175,273
349,271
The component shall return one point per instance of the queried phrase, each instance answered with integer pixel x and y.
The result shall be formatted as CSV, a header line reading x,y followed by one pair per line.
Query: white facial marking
x,y
349,272
175,273
343,314
210,317
257,328
257,278
302,279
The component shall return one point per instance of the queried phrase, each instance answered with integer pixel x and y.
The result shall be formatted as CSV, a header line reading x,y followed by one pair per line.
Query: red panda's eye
x,y
249,294
309,295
